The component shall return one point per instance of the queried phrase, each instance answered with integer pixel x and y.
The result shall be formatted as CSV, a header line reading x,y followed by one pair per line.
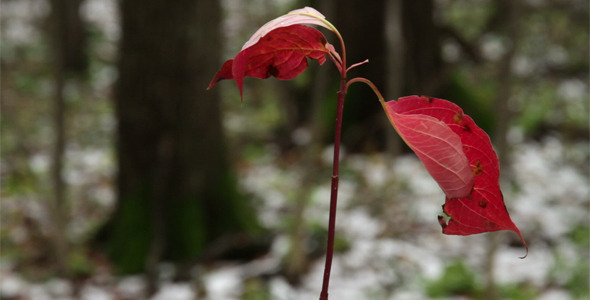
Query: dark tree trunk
x,y
70,34
362,24
394,72
176,193
423,64
68,42
401,41
507,11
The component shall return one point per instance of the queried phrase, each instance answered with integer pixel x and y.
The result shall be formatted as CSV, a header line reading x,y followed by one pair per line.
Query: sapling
x,y
454,150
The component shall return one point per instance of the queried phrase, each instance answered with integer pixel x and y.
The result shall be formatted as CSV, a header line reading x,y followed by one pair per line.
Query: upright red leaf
x,y
282,53
307,15
483,208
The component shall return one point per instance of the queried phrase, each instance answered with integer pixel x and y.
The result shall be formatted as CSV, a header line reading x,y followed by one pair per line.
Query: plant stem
x,y
370,84
334,190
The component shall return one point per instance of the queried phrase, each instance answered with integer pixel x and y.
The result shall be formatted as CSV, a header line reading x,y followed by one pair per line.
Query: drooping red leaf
x,y
437,146
483,208
282,53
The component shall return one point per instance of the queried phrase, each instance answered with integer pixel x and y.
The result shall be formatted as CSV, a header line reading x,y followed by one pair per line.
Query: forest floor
x,y
390,244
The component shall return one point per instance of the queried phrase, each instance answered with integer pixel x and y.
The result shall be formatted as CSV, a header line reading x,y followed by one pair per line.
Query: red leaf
x,y
282,53
437,146
483,209
306,15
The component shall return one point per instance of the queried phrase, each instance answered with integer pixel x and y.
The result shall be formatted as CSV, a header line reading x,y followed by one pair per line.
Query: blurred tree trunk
x,y
401,41
70,36
423,64
507,12
394,72
176,193
362,25
68,52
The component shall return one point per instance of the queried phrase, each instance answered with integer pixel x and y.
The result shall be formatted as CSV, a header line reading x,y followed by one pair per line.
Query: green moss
x,y
474,97
130,235
79,264
456,280
240,214
320,233
571,273
581,236
518,291
185,230
578,281
255,289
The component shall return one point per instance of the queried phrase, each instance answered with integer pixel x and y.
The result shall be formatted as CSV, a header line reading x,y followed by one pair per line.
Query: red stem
x,y
334,189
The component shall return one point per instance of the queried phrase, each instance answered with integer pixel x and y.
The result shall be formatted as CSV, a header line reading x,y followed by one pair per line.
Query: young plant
x,y
455,151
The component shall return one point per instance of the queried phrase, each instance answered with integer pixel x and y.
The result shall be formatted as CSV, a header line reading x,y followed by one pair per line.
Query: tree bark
x,y
362,24
401,41
67,36
507,11
176,192
394,72
423,63
71,35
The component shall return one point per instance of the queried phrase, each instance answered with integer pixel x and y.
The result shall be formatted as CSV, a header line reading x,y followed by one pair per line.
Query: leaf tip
x,y
224,73
526,247
526,254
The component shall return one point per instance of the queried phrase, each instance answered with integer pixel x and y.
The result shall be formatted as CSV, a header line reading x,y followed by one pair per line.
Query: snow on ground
x,y
550,199
552,194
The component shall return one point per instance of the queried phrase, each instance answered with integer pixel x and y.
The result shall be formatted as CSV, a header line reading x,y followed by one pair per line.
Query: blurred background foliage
x,y
519,68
